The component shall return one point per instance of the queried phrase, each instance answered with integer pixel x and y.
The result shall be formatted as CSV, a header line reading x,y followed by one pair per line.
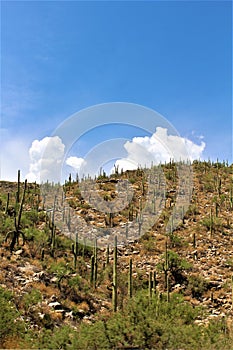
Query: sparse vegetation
x,y
164,290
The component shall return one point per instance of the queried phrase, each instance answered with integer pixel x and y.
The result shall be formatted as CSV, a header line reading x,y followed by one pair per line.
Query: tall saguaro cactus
x,y
94,266
166,267
92,270
18,188
17,232
7,203
194,240
168,288
211,222
95,262
231,198
150,286
107,255
130,281
17,222
53,240
154,281
75,250
114,285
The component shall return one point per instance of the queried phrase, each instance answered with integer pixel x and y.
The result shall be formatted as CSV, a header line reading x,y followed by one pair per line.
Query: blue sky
x,y
60,57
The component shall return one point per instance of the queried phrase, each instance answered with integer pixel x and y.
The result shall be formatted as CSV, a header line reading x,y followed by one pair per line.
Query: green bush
x,y
10,322
141,324
32,298
59,268
175,264
6,224
155,325
197,286
32,216
58,338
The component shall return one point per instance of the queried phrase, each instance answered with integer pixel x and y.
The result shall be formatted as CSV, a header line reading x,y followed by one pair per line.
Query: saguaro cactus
x,y
216,209
95,262
150,286
7,202
42,254
168,288
92,270
231,198
211,222
130,281
154,282
114,285
17,232
194,240
53,239
107,255
18,188
75,250
93,276
166,267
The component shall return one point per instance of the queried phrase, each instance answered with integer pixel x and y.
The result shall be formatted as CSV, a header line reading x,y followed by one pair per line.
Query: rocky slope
x,y
49,291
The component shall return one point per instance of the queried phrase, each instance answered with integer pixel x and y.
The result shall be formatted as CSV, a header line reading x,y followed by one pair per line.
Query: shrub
x,y
197,286
59,338
32,298
10,323
175,264
154,325
32,216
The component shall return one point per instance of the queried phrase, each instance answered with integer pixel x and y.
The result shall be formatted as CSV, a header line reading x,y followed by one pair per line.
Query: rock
x,y
54,279
56,305
69,315
60,311
18,252
53,298
81,312
214,284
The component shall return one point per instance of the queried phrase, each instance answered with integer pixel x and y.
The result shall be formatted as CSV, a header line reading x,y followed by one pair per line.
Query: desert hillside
x,y
159,289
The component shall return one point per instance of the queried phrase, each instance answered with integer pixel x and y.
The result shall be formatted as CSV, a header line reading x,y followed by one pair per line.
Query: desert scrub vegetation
x,y
11,324
154,325
161,291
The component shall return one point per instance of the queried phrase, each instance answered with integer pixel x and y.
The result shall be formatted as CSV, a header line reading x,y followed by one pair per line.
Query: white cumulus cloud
x,y
46,158
47,155
74,165
75,162
160,147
